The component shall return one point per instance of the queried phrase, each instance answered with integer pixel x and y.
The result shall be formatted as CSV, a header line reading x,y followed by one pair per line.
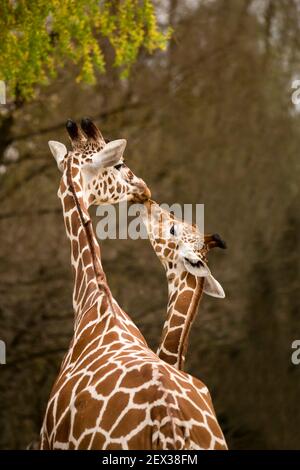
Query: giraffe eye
x,y
117,167
172,230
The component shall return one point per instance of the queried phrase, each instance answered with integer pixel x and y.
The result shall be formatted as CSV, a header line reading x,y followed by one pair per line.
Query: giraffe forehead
x,y
85,150
88,152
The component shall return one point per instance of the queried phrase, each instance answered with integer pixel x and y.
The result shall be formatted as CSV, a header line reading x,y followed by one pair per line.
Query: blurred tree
x,y
37,37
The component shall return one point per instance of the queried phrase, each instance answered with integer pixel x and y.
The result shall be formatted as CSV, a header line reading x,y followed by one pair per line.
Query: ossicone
x,y
91,130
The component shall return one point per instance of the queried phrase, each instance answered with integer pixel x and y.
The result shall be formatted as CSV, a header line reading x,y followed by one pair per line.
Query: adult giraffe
x,y
112,391
182,250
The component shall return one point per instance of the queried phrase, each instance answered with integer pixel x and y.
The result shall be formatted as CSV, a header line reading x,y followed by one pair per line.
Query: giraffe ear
x,y
110,155
59,151
212,287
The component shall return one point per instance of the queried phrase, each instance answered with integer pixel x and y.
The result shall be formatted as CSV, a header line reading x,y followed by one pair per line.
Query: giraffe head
x,y
181,247
104,176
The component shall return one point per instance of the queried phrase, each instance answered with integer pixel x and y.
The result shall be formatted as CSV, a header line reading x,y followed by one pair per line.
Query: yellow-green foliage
x,y
37,36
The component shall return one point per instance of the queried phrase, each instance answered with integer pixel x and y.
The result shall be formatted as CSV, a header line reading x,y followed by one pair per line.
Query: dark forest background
x,y
211,120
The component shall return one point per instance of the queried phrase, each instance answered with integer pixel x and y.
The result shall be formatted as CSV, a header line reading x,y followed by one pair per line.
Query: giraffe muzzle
x,y
143,195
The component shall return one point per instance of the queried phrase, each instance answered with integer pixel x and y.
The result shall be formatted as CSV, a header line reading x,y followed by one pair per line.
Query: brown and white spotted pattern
x,y
182,249
98,175
112,391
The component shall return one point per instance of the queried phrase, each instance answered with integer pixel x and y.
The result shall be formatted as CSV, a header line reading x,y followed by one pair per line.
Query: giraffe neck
x,y
185,291
85,251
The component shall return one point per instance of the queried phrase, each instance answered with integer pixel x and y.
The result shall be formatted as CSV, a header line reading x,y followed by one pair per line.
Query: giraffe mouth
x,y
143,195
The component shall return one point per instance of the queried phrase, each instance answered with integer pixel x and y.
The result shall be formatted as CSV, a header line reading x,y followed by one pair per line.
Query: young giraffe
x,y
182,249
112,391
